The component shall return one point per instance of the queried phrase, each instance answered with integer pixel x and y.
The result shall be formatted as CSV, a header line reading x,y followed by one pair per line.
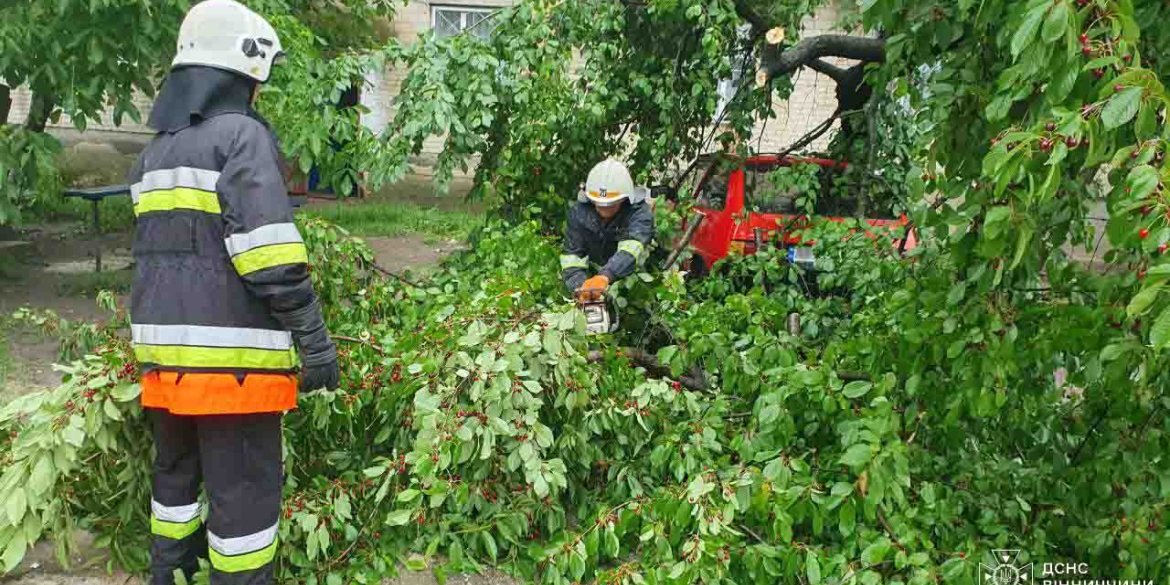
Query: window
x,y
448,21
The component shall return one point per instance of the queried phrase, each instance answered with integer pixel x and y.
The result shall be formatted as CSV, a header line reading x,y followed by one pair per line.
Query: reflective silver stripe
x,y
243,544
271,234
570,261
632,247
188,177
175,514
204,336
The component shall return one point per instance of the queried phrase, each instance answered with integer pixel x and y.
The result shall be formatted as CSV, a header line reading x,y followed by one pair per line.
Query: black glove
x,y
325,376
317,351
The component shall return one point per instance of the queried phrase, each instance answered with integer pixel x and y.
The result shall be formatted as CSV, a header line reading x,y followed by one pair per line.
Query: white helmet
x,y
227,35
609,183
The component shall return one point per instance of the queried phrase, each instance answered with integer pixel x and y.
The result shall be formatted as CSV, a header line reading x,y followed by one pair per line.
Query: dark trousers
x,y
237,459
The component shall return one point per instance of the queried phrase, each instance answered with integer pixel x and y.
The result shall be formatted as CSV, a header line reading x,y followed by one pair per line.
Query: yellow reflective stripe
x,y
177,198
214,357
245,562
174,530
570,261
269,256
633,248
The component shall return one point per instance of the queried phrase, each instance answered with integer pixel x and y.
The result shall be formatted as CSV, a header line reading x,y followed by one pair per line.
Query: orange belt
x,y
204,394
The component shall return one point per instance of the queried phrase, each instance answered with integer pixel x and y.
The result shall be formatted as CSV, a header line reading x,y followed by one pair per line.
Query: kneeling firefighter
x,y
610,227
221,303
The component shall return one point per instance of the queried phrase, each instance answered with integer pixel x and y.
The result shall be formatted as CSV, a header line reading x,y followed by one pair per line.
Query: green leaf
x,y
576,566
1059,153
111,410
399,517
14,552
1101,62
42,476
1142,301
1022,242
1147,123
812,567
74,435
997,218
1027,31
489,544
876,552
857,388
769,414
1160,332
16,506
1056,24
1121,108
1141,182
857,455
848,520
408,495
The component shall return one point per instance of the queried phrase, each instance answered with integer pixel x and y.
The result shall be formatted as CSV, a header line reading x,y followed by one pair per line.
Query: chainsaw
x,y
600,318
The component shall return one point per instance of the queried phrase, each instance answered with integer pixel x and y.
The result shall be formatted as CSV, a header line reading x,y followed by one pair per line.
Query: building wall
x,y
813,99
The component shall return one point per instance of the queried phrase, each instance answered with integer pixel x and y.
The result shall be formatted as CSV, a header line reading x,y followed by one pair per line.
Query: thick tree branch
x,y
865,49
696,380
744,9
832,71
5,103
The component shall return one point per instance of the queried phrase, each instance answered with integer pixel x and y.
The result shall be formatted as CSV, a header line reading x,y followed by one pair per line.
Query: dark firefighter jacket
x,y
618,248
221,282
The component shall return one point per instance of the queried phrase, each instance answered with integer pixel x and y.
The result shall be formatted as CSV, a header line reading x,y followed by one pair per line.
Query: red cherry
x,y
1099,73
1145,211
1144,233
1071,142
1163,247
1051,126
1086,50
1118,87
1084,39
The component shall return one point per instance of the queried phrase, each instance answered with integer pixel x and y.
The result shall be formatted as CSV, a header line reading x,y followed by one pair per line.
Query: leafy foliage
x,y
27,170
82,58
476,420
982,392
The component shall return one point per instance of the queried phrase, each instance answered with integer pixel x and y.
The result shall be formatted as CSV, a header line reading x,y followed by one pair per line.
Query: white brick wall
x,y
813,98
21,99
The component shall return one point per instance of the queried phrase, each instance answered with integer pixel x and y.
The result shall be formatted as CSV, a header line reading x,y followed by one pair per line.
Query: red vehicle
x,y
736,197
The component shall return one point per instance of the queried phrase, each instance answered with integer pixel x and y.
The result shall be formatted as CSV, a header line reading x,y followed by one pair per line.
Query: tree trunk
x,y
38,113
5,103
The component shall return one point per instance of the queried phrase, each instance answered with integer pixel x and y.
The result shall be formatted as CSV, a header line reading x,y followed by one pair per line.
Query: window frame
x,y
464,11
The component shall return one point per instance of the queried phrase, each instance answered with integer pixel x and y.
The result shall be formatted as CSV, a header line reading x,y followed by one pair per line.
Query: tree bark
x,y
38,113
865,49
5,103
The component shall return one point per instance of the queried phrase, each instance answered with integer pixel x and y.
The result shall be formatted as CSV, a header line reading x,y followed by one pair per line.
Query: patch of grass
x,y
89,284
11,268
380,217
7,364
116,215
